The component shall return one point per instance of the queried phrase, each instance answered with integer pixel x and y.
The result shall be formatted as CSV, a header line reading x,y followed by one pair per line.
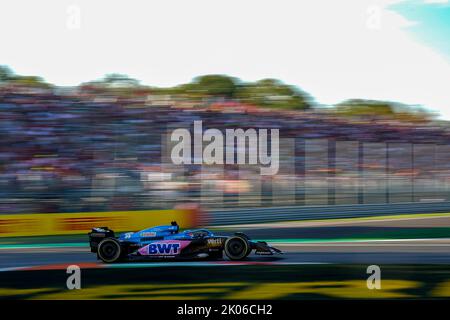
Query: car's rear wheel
x,y
237,248
109,250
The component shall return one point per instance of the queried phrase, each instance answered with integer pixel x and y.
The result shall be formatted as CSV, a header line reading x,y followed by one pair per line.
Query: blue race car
x,y
167,242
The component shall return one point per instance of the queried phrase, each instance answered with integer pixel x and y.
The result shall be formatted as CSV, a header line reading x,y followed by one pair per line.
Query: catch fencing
x,y
276,214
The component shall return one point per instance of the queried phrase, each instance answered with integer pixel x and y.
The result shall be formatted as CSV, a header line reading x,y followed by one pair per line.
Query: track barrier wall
x,y
40,224
295,213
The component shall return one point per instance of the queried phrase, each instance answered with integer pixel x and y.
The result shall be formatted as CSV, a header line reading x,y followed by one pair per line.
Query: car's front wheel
x,y
109,250
237,248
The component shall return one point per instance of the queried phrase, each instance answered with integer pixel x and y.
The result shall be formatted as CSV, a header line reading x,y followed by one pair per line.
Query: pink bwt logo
x,y
164,248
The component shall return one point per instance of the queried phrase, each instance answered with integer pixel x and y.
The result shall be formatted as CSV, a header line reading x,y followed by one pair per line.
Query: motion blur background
x,y
359,90
98,147
362,94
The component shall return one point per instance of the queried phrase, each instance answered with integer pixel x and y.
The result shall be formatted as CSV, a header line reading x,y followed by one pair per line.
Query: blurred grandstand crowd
x,y
77,150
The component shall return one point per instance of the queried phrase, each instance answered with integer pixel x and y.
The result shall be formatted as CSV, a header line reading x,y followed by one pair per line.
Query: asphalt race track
x,y
324,259
409,240
376,252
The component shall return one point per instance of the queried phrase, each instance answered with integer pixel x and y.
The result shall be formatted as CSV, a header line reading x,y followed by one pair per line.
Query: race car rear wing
x,y
98,234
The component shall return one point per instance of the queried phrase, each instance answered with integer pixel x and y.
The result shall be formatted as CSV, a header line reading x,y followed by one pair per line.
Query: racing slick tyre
x,y
109,250
243,235
237,248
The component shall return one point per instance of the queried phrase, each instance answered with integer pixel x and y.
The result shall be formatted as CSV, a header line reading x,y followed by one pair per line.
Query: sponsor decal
x,y
213,243
37,224
264,253
128,235
148,234
97,234
83,223
164,248
16,225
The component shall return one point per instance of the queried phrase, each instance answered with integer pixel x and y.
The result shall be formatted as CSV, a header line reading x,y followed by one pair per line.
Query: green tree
x,y
273,93
360,107
213,85
118,80
30,81
382,109
5,73
118,84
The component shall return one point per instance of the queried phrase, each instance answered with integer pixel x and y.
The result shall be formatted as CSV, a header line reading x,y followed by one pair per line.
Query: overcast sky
x,y
334,50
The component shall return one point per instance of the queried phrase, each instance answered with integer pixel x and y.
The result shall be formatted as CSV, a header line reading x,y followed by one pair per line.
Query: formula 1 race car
x,y
167,242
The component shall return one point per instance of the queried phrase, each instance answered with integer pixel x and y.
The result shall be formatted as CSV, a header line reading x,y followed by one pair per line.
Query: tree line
x,y
270,93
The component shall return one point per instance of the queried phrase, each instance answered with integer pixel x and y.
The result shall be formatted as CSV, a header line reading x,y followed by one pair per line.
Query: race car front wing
x,y
262,248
